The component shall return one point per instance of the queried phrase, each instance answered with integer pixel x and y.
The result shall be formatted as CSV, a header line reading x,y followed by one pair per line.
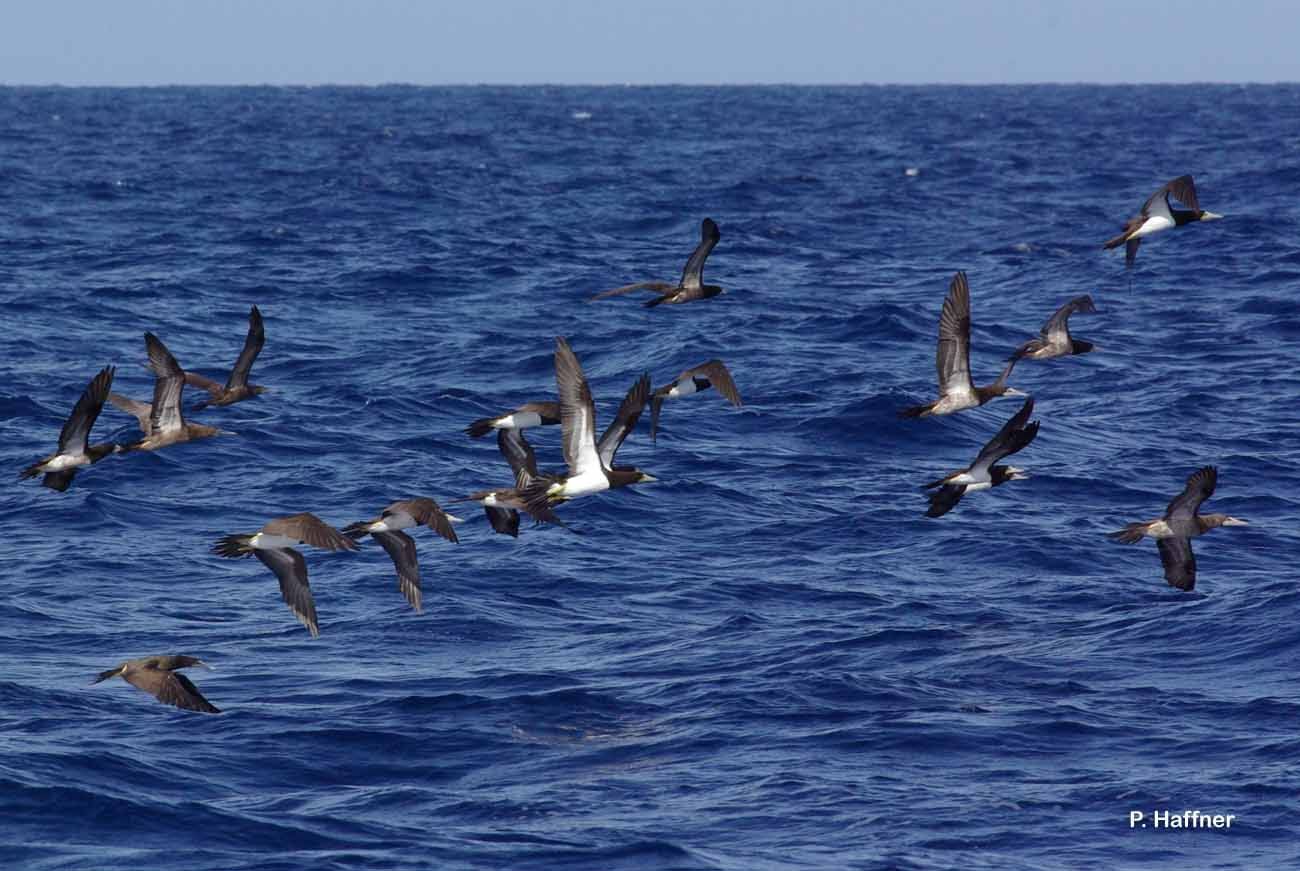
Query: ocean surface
x,y
769,659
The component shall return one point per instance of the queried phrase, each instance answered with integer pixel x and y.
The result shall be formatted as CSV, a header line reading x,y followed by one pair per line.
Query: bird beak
x,y
202,664
1011,391
453,518
647,479
1210,216
1235,521
1016,474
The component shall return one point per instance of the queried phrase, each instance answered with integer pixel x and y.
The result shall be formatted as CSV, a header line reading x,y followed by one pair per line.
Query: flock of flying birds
x,y
590,461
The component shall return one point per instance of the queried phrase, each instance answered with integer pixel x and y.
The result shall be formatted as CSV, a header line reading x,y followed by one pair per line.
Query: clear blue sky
x,y
131,42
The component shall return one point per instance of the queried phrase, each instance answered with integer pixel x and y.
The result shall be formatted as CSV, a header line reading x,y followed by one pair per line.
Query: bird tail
x,y
651,303
31,471
1116,242
1130,534
480,427
105,675
537,499
945,499
357,531
233,546
656,403
916,410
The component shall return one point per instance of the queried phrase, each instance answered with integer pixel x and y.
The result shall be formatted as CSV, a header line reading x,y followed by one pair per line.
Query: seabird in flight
x,y
60,467
956,388
691,287
237,386
273,545
1174,532
387,530
1159,213
982,474
503,505
158,676
1054,339
529,414
591,463
711,374
161,421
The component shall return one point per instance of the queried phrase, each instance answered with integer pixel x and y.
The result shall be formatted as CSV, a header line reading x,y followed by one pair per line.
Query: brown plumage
x,y
160,678
236,387
528,415
1054,339
1180,524
162,421
387,530
273,546
691,287
74,451
1159,214
713,373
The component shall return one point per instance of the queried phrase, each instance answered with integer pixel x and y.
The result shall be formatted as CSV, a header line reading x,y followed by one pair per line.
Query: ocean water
x,y
769,659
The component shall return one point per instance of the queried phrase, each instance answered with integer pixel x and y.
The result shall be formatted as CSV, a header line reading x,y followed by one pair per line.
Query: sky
x,y
156,42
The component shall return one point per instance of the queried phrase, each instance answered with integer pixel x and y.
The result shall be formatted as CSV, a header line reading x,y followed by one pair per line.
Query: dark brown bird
x,y
273,546
387,530
1054,339
158,676
713,374
503,504
691,287
1181,523
60,467
162,421
1159,213
236,387
529,414
957,390
1015,435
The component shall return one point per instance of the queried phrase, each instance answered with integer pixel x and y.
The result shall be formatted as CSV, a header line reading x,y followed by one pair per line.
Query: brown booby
x,y
691,287
982,474
1159,213
957,390
158,676
1054,340
714,374
1180,524
236,387
591,463
60,467
387,530
529,414
273,546
162,421
503,504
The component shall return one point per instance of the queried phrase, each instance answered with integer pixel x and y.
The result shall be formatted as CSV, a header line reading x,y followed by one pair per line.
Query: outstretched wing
x,y
291,570
1200,486
953,356
1057,328
169,382
1179,561
624,422
693,274
76,430
577,412
309,529
656,286
253,343
519,454
428,513
1013,436
401,547
719,376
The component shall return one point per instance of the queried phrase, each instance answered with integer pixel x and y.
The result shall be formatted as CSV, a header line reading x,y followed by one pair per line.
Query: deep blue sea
x,y
769,659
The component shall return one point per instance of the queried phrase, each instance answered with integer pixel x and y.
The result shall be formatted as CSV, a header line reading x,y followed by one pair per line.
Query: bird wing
x,y
1131,251
625,421
1200,485
503,520
1179,561
309,529
253,343
291,570
170,687
1182,189
693,274
656,286
519,454
953,356
194,379
401,547
719,376
577,412
945,499
141,411
168,384
1013,436
1057,328
428,513
76,429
